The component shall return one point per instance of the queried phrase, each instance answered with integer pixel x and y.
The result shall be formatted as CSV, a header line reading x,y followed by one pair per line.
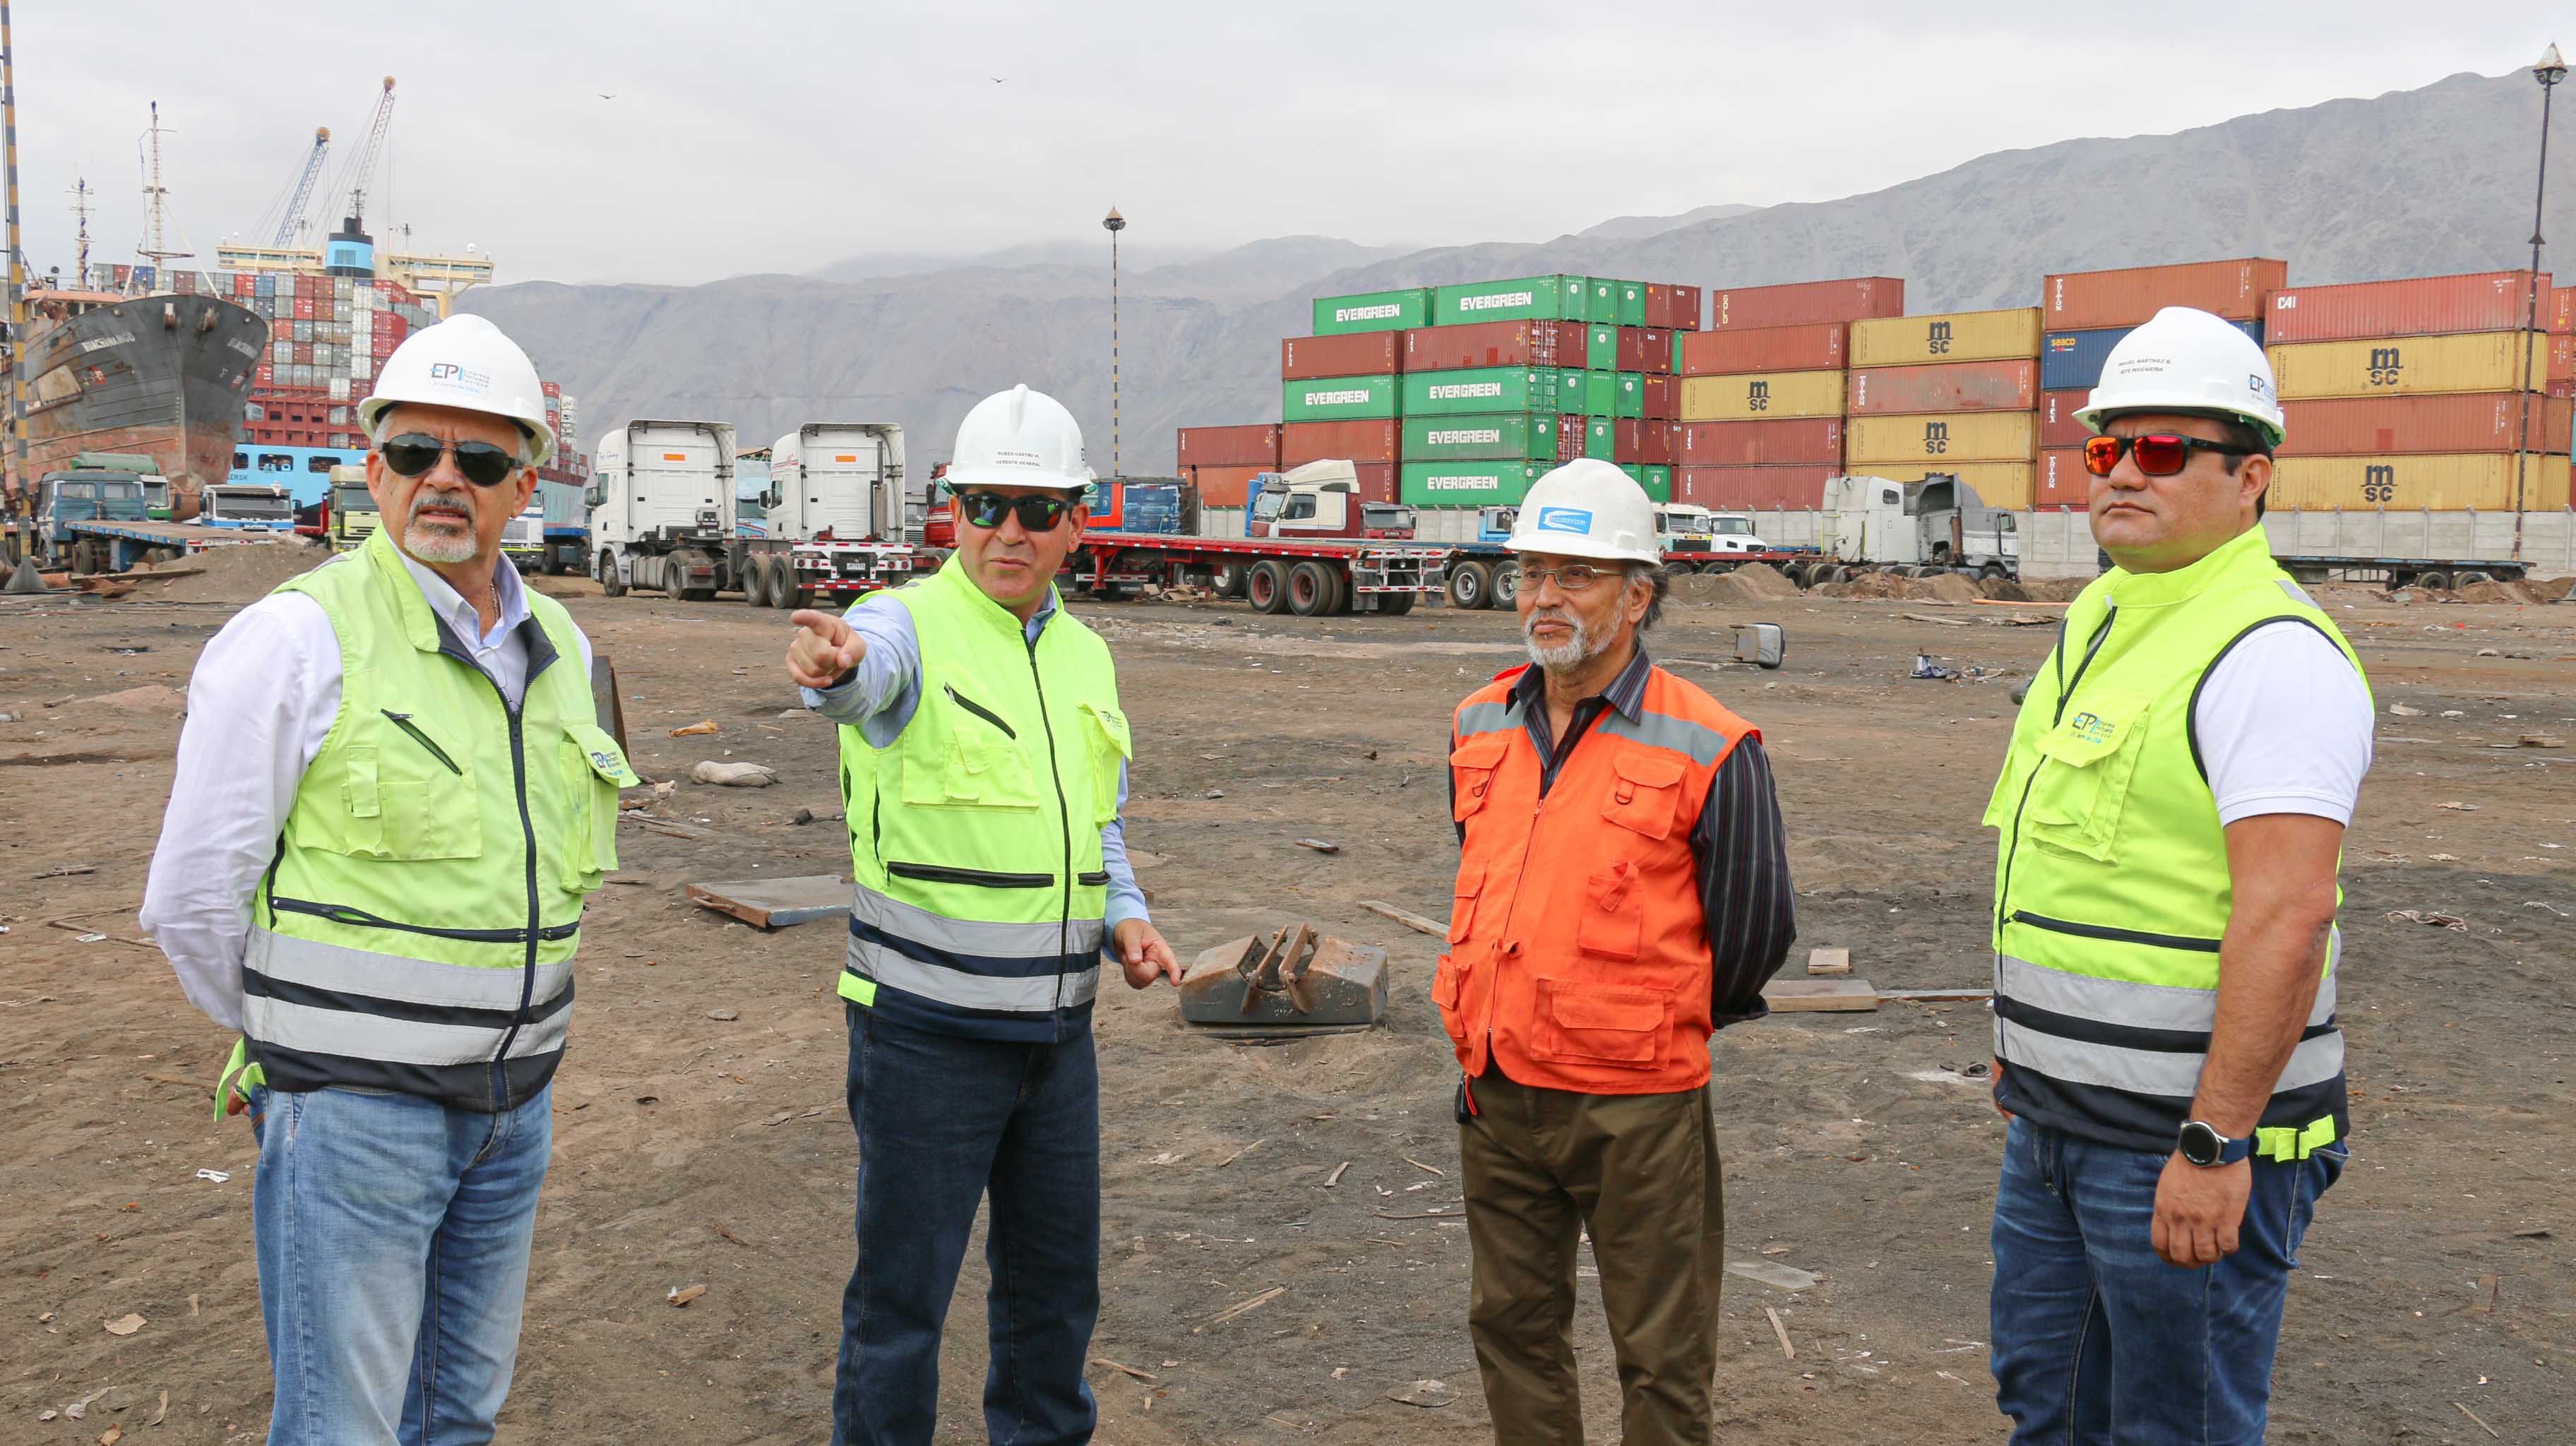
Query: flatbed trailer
x,y
2400,572
115,546
1310,577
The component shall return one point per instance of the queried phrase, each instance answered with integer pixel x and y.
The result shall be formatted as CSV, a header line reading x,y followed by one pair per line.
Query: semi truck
x,y
92,520
353,509
246,507
1917,529
663,513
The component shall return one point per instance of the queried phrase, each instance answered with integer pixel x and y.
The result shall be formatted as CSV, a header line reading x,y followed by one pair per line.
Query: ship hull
x,y
163,375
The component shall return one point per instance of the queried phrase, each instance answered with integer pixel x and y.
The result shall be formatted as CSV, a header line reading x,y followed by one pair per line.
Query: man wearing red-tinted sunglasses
x,y
2172,810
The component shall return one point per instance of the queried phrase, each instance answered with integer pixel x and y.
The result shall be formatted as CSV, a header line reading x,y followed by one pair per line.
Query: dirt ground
x,y
700,1137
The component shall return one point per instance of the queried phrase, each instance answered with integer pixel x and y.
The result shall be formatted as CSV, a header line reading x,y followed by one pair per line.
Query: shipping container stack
x,y
1222,461
2423,393
1762,391
1955,394
2085,314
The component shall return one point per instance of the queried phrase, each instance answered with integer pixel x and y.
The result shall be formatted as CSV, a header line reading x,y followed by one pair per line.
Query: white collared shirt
x,y
260,704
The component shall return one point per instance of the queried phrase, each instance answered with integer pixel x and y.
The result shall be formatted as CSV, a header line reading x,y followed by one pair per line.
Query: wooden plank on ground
x,y
1796,996
1406,918
776,903
1829,961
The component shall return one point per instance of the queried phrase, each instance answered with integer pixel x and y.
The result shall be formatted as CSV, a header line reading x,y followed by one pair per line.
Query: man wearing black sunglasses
x,y
2172,809
983,767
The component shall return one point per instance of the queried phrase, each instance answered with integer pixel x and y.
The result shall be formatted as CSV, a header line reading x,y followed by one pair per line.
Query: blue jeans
x,y
2099,1342
945,1121
393,1238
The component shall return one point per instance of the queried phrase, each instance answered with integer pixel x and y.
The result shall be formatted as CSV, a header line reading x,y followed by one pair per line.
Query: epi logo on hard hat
x,y
1564,519
459,376
2257,384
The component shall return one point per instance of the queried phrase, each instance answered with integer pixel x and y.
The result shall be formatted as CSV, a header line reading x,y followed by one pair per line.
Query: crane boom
x,y
293,220
367,154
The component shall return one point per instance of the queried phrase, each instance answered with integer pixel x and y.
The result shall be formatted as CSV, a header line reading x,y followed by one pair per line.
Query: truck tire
x,y
610,584
1266,586
1310,589
1681,569
782,585
1227,579
755,583
1470,586
1505,584
88,556
1396,604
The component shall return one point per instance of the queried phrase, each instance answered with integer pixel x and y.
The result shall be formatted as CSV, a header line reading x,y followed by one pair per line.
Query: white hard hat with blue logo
x,y
1587,508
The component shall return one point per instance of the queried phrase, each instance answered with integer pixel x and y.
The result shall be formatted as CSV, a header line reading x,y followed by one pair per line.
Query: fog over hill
x,y
2412,183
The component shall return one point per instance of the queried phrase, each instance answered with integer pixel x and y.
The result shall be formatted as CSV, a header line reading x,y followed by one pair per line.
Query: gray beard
x,y
1571,653
437,545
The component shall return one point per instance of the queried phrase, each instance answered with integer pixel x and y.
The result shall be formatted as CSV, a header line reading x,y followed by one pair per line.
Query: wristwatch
x,y
2204,1146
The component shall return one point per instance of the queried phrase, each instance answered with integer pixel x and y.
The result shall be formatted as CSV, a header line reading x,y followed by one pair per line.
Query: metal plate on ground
x,y
776,903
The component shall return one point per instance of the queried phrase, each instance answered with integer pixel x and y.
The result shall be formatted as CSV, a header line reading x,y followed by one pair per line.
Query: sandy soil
x,y
700,1138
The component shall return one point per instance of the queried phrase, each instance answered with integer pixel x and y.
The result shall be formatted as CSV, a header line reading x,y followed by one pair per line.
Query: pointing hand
x,y
823,649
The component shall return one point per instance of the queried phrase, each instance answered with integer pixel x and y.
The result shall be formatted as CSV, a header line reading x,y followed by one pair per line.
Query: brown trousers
x,y
1640,1172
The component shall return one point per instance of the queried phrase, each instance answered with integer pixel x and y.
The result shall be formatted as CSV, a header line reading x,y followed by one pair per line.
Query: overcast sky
x,y
779,136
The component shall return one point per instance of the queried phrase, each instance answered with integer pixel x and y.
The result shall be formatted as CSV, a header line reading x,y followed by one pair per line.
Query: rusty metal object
x,y
1291,980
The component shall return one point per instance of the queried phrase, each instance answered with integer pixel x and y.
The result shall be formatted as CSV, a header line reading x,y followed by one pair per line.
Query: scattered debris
x,y
2536,904
126,1325
2452,922
783,1116
1319,846
1782,1331
1145,1376
733,775
1829,961
724,1016
1334,1179
2482,1425
1240,1307
1417,1164
2537,740
218,1177
1239,1154
678,1297
1799,996
1413,921
776,903
1427,1394
703,726
2402,711
1773,1274
1927,670
65,873
2458,807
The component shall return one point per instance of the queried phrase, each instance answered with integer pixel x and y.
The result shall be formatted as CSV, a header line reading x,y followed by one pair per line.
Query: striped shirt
x,y
1745,892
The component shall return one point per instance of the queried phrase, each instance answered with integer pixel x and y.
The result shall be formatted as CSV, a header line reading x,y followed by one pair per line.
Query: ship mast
x,y
155,212
17,468
80,212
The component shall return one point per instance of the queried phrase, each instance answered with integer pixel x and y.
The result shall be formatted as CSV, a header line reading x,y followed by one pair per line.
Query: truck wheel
x,y
1396,604
1266,586
1681,569
85,556
782,585
1505,585
610,584
755,583
1226,580
1992,572
1470,586
2473,575
1310,589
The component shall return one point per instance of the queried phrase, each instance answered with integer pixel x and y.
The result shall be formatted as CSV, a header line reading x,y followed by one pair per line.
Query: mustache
x,y
457,501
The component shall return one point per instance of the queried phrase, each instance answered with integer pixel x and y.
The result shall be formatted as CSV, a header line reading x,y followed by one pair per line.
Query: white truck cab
x,y
1321,499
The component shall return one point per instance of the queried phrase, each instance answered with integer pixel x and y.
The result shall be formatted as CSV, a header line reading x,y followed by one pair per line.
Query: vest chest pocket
x,y
1111,747
2080,786
1472,766
594,768
1645,793
970,757
396,801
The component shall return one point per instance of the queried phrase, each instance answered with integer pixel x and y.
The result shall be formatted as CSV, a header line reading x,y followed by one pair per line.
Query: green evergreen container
x,y
1338,399
1485,437
1569,389
1372,311
1630,398
1632,303
1658,482
1476,389
1603,295
1466,484
1527,298
1599,438
1600,394
1601,345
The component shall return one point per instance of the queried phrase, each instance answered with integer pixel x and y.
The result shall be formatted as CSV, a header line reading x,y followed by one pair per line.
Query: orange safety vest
x,y
1578,952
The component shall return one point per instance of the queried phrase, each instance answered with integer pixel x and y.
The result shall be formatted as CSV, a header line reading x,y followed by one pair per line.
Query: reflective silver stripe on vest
x,y
1478,718
2124,1002
1662,730
394,976
2148,1071
972,936
1032,994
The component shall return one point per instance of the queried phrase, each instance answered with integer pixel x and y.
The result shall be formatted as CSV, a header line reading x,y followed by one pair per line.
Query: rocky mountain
x,y
2412,183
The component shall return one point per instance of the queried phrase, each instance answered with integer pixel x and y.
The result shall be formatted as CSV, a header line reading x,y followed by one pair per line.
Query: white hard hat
x,y
1018,438
1587,508
464,362
2186,360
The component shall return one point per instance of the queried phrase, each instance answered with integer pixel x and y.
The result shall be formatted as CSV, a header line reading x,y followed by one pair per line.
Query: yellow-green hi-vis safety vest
x,y
416,928
975,834
2111,885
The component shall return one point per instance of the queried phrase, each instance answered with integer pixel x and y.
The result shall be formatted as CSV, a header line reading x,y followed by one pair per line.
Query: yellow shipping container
x,y
1998,484
1896,341
2405,366
2442,482
1946,436
1762,396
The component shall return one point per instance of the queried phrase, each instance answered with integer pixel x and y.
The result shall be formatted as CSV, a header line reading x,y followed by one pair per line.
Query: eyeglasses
x,y
413,454
1037,514
2159,455
1574,577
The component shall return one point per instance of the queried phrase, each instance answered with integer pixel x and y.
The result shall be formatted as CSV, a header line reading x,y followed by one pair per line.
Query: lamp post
x,y
2548,70
1114,223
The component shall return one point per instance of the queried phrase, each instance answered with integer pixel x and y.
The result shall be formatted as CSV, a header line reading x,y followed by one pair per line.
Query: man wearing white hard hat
x,y
1623,892
390,802
983,767
2172,811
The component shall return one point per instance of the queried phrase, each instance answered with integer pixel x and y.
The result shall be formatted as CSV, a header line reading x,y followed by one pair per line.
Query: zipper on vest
x,y
403,722
360,919
1064,820
528,841
986,878
2106,931
2065,693
980,711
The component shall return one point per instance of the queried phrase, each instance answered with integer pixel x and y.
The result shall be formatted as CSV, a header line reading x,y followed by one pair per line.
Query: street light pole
x,y
1115,223
2548,70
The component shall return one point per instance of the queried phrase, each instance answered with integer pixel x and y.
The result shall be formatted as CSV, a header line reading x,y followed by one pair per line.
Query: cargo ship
x,y
128,368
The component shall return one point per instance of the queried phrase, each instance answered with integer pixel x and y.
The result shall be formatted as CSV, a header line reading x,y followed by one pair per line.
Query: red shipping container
x,y
1788,441
245,284
2057,424
1657,443
1804,303
1223,486
1377,481
2558,309
264,375
1492,344
381,345
303,353
1753,488
1645,349
1818,347
2084,300
1569,436
2457,422
304,308
1242,446
1659,305
2562,357
1987,386
1624,441
1363,441
551,389
2062,480
1663,398
2423,306
1360,354
1686,310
